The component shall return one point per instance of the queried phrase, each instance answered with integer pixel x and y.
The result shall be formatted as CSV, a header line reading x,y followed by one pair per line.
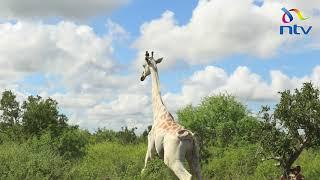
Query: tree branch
x,y
297,153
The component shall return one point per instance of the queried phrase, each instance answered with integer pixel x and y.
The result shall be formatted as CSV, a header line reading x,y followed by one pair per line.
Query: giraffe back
x,y
167,124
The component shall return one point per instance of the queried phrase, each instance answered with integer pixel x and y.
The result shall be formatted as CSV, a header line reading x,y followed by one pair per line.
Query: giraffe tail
x,y
196,157
196,148
186,134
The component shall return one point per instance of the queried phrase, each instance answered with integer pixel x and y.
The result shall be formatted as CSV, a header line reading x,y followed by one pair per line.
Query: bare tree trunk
x,y
288,163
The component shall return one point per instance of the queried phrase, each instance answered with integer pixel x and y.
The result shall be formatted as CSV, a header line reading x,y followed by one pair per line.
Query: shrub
x,y
72,144
34,159
231,163
110,161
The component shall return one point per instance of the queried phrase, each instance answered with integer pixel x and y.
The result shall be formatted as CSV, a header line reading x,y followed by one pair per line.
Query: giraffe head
x,y
150,62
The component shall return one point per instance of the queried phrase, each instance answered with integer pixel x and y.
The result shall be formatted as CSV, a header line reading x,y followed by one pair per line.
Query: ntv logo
x,y
295,29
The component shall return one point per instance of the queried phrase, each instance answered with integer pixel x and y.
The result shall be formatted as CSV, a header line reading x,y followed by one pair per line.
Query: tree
x,y
10,108
11,113
221,121
41,115
293,127
103,134
126,135
72,143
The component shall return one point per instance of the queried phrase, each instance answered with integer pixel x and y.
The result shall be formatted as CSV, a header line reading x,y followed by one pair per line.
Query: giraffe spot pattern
x,y
167,124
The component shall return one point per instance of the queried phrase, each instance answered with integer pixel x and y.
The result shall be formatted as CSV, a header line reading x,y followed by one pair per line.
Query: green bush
x,y
231,163
267,170
156,169
72,144
219,121
115,161
35,159
110,161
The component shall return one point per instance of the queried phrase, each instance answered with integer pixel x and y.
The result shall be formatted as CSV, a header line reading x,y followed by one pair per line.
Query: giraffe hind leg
x,y
177,167
174,155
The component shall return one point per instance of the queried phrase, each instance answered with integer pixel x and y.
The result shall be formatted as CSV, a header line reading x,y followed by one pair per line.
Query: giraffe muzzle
x,y
142,78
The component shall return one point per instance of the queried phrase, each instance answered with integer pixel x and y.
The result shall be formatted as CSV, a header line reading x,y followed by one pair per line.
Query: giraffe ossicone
x,y
171,141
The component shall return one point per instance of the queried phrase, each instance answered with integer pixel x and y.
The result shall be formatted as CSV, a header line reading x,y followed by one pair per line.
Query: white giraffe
x,y
171,141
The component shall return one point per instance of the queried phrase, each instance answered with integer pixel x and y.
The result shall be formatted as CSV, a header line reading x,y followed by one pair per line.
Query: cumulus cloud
x,y
126,108
306,7
74,9
218,28
116,31
73,53
78,68
242,83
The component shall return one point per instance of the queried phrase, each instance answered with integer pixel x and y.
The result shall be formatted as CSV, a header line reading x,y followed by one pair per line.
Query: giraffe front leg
x,y
150,151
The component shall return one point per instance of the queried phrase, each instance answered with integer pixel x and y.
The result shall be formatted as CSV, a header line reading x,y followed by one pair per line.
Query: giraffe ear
x,y
159,60
147,58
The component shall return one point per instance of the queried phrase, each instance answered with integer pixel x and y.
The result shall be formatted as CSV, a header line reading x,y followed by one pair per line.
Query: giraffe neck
x,y
157,104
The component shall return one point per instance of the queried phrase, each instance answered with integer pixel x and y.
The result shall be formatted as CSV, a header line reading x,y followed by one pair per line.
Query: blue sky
x,y
89,57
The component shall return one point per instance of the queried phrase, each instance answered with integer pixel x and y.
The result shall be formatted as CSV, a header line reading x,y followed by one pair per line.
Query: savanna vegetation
x,y
36,141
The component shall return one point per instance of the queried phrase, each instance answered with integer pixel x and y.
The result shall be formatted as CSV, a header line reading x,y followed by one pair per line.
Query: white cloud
x,y
306,7
74,9
116,31
218,28
132,110
74,59
74,53
125,104
242,83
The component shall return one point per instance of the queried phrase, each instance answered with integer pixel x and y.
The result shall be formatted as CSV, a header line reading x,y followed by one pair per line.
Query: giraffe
x,y
171,141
